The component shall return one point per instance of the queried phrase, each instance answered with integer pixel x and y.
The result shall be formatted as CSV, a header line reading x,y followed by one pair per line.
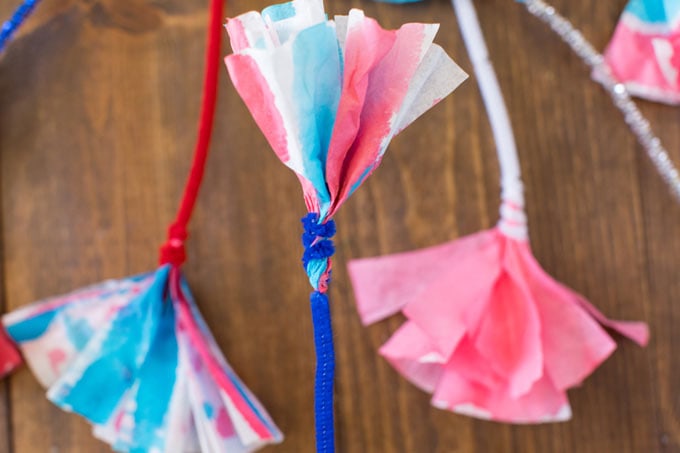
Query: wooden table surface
x,y
98,105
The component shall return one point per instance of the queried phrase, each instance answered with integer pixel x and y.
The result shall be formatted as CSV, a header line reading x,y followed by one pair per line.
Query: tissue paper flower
x,y
644,52
329,95
135,358
488,332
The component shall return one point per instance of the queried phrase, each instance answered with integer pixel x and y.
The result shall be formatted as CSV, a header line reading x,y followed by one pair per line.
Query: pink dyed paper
x,y
9,356
488,332
644,52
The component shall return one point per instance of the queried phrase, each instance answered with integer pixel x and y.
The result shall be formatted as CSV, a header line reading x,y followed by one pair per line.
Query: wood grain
x,y
99,102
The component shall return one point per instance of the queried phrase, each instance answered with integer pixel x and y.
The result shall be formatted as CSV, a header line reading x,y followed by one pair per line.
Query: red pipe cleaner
x,y
172,251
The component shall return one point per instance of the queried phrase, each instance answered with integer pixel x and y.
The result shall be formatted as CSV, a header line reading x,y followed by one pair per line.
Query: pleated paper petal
x,y
330,95
488,332
135,358
644,52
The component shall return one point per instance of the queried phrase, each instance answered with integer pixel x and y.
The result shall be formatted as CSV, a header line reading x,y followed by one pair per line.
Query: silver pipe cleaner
x,y
618,92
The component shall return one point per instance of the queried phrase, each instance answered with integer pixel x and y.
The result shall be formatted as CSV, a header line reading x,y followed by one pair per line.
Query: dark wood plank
x,y
90,174
99,106
5,432
661,249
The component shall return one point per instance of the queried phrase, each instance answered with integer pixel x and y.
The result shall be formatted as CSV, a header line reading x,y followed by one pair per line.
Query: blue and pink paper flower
x,y
136,359
644,52
329,95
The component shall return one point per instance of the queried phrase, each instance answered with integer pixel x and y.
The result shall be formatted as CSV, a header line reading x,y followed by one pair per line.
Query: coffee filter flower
x,y
488,332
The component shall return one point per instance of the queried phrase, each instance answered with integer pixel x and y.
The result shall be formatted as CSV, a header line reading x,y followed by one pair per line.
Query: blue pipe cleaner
x,y
319,248
20,15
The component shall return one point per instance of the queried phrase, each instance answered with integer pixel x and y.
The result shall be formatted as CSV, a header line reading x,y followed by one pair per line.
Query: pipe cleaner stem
x,y
325,373
618,91
513,219
173,250
316,260
18,18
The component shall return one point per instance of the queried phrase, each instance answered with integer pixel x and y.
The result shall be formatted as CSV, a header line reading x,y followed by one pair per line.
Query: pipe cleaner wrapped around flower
x,y
329,96
644,52
488,332
134,356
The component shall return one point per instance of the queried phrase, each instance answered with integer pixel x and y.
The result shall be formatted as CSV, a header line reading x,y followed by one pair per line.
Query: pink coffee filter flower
x,y
488,332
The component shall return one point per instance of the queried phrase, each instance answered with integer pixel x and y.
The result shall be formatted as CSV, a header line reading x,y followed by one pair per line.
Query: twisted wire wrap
x,y
319,249
173,251
513,220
